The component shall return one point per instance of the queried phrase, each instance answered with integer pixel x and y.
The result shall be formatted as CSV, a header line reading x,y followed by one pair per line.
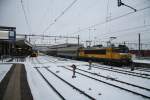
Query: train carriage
x,y
109,55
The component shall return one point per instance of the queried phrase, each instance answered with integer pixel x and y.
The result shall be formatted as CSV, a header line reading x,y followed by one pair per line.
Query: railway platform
x,y
14,85
142,63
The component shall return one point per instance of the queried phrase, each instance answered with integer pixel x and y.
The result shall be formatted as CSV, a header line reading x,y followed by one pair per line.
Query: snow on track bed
x,y
145,92
73,94
94,88
39,89
124,71
142,61
114,79
50,84
113,74
123,77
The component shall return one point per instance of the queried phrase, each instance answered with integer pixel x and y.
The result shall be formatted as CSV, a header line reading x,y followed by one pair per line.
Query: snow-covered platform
x,y
142,61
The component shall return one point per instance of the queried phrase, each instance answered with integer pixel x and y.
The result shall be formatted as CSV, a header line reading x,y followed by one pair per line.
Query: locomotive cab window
x,y
103,51
121,50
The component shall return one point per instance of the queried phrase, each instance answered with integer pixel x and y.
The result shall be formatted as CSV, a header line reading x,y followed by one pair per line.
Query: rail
x,y
50,84
145,96
71,85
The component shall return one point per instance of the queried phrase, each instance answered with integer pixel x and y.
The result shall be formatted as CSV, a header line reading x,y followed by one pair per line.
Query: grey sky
x,y
82,14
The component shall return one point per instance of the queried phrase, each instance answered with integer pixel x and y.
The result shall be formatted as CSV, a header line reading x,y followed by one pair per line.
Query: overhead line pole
x,y
139,44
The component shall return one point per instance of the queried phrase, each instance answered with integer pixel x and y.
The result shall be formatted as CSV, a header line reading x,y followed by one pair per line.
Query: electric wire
x,y
128,29
59,16
44,14
112,19
25,16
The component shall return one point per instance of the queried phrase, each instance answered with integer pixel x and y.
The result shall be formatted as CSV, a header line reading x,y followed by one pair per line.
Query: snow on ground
x,y
94,88
4,68
39,88
119,76
101,91
68,92
126,68
142,61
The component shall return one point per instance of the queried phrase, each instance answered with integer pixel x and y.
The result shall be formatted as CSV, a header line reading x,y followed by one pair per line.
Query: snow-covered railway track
x,y
122,72
50,84
144,69
131,73
136,73
113,79
80,92
108,83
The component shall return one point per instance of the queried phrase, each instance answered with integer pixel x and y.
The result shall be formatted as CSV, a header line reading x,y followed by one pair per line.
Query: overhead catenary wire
x,y
25,16
112,19
44,14
129,29
60,15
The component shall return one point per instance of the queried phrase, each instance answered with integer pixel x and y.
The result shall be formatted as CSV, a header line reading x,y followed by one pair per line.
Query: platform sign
x,y
7,35
12,35
4,35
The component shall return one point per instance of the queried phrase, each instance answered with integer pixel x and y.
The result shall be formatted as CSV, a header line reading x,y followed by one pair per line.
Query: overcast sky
x,y
84,13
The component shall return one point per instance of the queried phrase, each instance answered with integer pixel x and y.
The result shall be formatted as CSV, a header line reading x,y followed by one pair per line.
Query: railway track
x,y
113,79
50,60
142,74
50,84
144,69
120,71
122,88
72,86
82,92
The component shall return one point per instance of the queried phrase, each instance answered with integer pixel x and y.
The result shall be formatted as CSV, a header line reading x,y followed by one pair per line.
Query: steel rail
x,y
70,84
113,79
120,72
145,96
50,84
126,71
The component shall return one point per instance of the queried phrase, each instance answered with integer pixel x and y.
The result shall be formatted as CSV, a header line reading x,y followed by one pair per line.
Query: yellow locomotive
x,y
109,55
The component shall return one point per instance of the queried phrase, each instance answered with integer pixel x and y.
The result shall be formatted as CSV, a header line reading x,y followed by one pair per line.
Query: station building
x,y
10,45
